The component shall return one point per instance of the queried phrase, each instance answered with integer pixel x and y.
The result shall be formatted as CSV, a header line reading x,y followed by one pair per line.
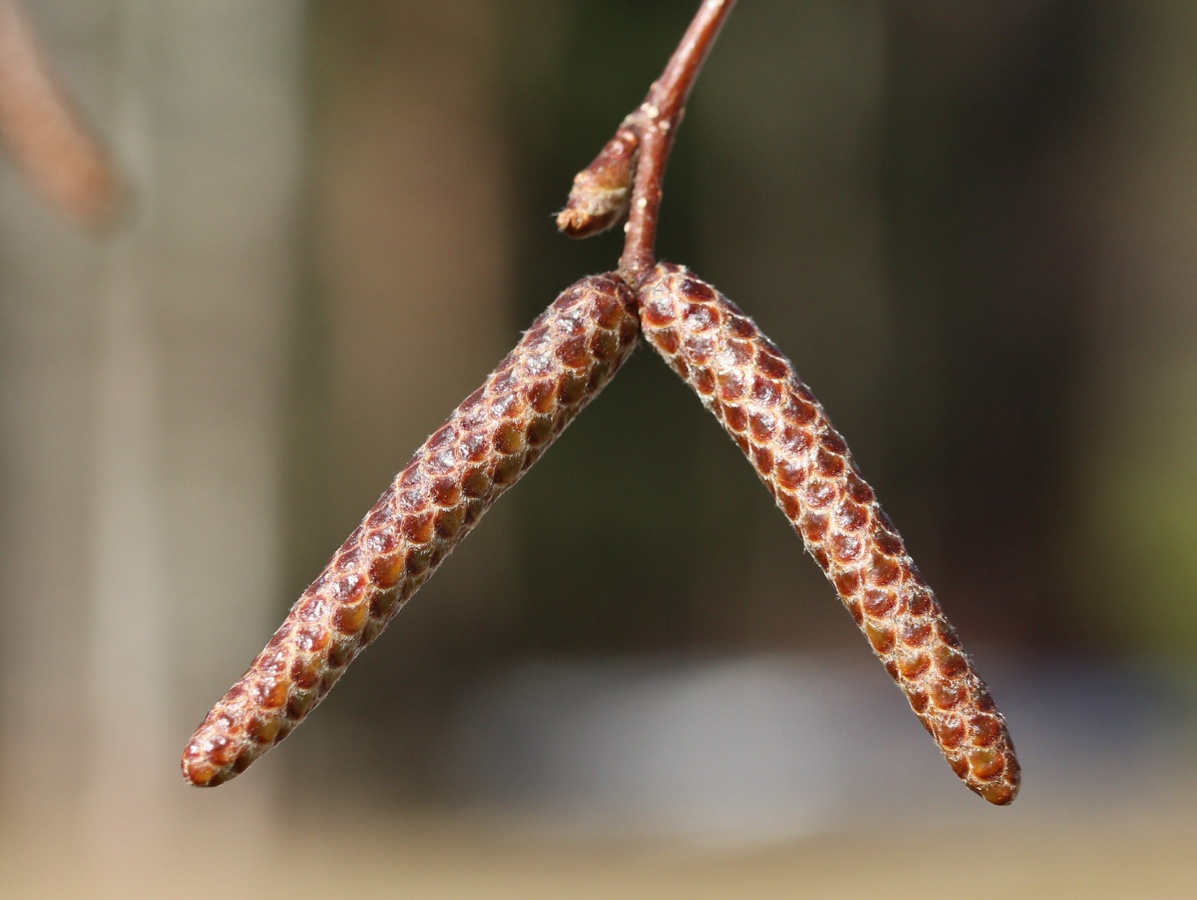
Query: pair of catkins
x,y
561,363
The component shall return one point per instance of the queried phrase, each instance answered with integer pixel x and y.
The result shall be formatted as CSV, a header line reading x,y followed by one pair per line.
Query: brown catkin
x,y
568,355
772,416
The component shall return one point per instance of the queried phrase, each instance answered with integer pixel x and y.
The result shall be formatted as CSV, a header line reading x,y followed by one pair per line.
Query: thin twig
x,y
656,123
45,135
627,175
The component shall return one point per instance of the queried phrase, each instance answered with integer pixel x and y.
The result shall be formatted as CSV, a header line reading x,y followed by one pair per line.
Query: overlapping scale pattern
x,y
561,363
779,425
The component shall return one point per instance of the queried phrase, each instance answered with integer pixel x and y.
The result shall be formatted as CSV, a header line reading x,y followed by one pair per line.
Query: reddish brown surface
x,y
562,362
772,416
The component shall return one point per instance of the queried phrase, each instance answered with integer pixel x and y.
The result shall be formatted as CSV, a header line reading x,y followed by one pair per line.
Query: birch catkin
x,y
772,416
568,355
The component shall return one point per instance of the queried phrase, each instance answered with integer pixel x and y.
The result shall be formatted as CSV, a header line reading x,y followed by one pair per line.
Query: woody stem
x,y
655,122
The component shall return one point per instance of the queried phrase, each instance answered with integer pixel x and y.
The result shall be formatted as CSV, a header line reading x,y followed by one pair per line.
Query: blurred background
x,y
973,227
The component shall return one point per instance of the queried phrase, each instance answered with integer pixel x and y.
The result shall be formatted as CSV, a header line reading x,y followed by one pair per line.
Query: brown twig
x,y
656,122
45,135
632,164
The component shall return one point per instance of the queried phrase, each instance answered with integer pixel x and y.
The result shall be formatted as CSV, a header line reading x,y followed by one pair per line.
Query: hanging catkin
x,y
772,416
562,362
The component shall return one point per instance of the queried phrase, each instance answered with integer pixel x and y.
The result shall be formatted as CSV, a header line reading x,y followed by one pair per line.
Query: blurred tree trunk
x,y
408,310
142,409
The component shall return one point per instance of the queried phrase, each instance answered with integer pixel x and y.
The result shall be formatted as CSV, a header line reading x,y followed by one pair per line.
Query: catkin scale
x,y
568,355
776,421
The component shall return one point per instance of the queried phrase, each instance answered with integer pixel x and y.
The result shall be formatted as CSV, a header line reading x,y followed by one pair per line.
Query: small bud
x,y
599,197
